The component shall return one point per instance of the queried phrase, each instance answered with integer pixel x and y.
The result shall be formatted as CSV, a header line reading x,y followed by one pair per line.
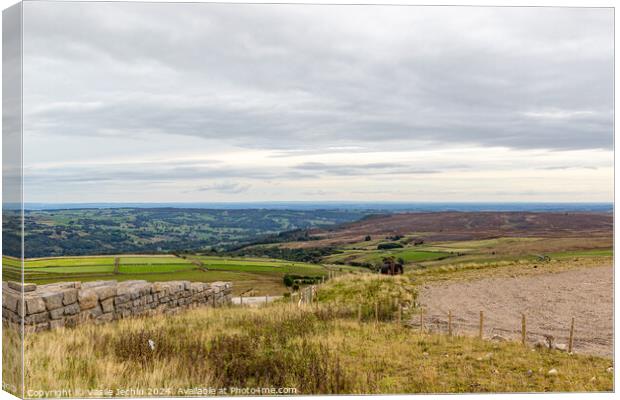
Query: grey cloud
x,y
226,187
363,169
271,76
151,173
172,171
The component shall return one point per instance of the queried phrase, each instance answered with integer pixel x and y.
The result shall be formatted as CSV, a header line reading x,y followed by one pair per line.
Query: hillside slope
x,y
442,226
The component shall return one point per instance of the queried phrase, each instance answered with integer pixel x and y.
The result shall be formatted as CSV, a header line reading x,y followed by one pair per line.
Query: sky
x,y
155,102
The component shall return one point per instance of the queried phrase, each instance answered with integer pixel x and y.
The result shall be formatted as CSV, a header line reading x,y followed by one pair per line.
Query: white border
x,y
504,3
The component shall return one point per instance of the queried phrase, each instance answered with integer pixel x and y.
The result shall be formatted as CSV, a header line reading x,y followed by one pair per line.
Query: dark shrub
x,y
387,246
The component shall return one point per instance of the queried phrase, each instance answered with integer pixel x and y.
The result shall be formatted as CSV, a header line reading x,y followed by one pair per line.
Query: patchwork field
x,y
264,276
427,254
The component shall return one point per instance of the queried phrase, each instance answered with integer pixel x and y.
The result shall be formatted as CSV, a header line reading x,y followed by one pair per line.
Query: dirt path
x,y
255,300
549,301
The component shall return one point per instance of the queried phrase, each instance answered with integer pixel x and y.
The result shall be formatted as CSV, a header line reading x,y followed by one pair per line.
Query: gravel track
x,y
548,301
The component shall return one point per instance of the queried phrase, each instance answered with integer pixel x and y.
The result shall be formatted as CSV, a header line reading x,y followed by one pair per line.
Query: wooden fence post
x,y
523,329
449,322
480,328
400,314
421,320
241,299
570,338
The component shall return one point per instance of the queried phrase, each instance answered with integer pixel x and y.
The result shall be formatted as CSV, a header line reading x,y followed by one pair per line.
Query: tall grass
x,y
315,349
12,360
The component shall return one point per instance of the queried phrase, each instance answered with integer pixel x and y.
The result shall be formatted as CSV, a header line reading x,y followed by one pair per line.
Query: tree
x,y
367,238
387,246
288,280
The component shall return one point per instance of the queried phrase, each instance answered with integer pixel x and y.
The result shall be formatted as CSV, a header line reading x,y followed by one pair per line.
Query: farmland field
x,y
265,276
375,256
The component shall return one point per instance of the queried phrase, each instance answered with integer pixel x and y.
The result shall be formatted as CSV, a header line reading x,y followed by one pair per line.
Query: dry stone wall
x,y
68,304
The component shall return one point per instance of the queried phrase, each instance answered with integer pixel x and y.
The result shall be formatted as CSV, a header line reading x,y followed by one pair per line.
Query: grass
x,y
261,265
368,288
509,268
583,253
375,256
69,262
153,260
262,275
11,361
320,349
75,269
157,268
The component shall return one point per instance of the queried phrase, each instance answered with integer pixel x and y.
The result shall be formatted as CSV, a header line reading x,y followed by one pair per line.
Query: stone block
x,y
107,305
8,315
36,318
34,305
121,298
57,313
70,296
96,311
105,292
22,287
134,293
10,300
159,287
95,284
87,299
52,300
176,286
72,309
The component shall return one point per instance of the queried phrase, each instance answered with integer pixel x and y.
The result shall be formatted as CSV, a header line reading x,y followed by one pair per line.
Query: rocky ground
x,y
549,302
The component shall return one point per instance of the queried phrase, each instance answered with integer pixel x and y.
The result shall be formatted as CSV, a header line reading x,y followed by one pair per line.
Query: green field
x,y
506,249
375,257
258,265
583,253
264,276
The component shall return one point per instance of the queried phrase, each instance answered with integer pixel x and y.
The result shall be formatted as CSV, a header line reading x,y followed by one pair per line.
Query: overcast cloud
x,y
216,102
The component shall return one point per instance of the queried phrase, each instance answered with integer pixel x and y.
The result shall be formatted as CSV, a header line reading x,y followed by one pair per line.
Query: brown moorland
x,y
445,226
